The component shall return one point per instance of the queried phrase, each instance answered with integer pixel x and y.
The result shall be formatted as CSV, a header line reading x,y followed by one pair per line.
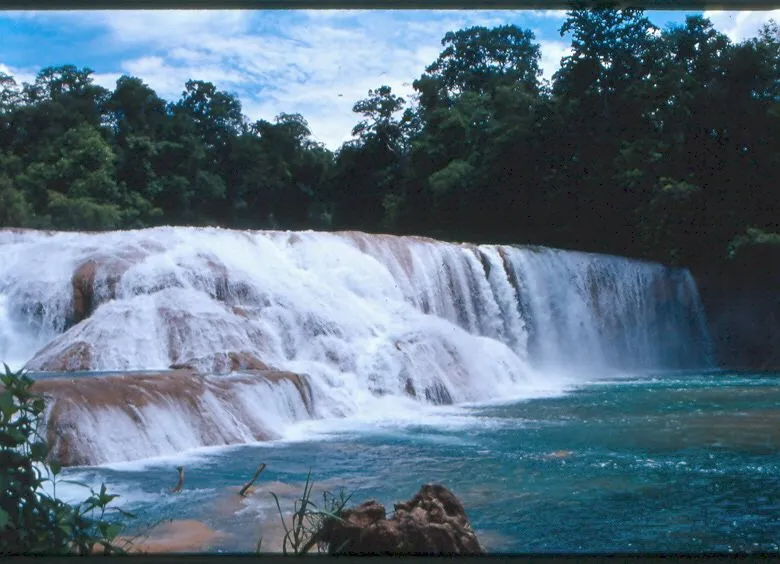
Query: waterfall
x,y
360,317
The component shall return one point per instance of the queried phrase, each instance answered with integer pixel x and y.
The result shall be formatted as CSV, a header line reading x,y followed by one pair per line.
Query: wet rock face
x,y
432,522
78,409
222,363
73,358
95,281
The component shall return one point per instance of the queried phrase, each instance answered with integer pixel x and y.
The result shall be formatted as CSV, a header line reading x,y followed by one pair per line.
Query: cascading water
x,y
602,312
366,318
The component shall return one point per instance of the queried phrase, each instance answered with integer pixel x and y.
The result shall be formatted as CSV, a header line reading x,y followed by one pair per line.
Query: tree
x,y
480,60
216,114
135,110
60,98
14,209
601,102
611,51
292,174
379,125
464,97
10,98
138,118
76,184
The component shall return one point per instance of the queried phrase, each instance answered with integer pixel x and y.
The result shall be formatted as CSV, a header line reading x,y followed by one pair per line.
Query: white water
x,y
361,316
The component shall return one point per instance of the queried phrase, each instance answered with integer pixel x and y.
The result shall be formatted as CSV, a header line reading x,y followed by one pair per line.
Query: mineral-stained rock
x,y
83,281
95,281
432,522
77,406
222,363
73,358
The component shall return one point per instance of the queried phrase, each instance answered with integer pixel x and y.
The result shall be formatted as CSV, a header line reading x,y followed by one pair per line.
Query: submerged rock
x,y
432,522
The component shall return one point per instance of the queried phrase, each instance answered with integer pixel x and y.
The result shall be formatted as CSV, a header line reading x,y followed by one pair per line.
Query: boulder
x,y
83,281
95,282
432,522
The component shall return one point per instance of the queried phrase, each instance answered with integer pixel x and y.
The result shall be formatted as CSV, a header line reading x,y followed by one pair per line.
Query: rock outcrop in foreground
x,y
432,522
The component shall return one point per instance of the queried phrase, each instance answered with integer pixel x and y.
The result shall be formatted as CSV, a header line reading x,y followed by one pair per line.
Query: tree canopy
x,y
662,144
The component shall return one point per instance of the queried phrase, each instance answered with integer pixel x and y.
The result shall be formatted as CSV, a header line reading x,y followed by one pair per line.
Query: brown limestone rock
x,y
83,282
96,272
71,403
432,522
76,357
222,363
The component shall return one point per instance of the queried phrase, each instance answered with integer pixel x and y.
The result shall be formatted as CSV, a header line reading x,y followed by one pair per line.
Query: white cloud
x,y
19,75
550,14
740,25
552,53
106,80
317,67
157,28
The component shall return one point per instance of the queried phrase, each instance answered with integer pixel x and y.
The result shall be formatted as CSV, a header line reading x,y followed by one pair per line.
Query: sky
x,y
314,62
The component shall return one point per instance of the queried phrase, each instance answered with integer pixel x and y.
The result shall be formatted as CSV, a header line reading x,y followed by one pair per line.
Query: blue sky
x,y
316,62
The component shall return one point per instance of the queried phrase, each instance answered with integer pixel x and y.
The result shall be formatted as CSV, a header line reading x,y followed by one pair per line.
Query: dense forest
x,y
662,144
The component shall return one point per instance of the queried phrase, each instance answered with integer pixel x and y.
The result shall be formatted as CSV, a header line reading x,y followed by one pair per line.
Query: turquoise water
x,y
667,462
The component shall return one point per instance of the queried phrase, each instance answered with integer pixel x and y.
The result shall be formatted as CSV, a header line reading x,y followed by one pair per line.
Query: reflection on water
x,y
683,462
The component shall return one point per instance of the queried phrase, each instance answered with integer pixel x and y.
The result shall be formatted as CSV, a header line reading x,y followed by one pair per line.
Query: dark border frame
x,y
385,4
684,5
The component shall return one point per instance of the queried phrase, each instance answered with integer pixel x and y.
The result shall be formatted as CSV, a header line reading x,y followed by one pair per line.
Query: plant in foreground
x,y
304,532
31,520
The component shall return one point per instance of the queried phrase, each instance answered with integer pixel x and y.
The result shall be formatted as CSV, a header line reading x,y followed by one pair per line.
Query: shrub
x,y
31,520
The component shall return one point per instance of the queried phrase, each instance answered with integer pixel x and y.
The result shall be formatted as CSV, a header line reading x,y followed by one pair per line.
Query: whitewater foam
x,y
361,316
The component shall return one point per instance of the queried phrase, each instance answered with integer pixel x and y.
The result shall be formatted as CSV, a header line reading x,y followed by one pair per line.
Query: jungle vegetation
x,y
659,144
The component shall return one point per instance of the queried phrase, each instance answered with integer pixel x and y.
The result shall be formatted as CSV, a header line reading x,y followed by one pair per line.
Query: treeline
x,y
662,144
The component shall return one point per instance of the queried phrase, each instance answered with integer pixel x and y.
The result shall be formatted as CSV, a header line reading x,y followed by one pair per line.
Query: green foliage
x,y
31,520
479,60
752,237
603,158
14,209
453,177
669,218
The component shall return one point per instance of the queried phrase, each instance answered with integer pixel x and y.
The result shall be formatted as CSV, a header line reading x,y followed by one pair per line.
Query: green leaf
x,y
113,530
11,438
7,404
38,406
38,451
